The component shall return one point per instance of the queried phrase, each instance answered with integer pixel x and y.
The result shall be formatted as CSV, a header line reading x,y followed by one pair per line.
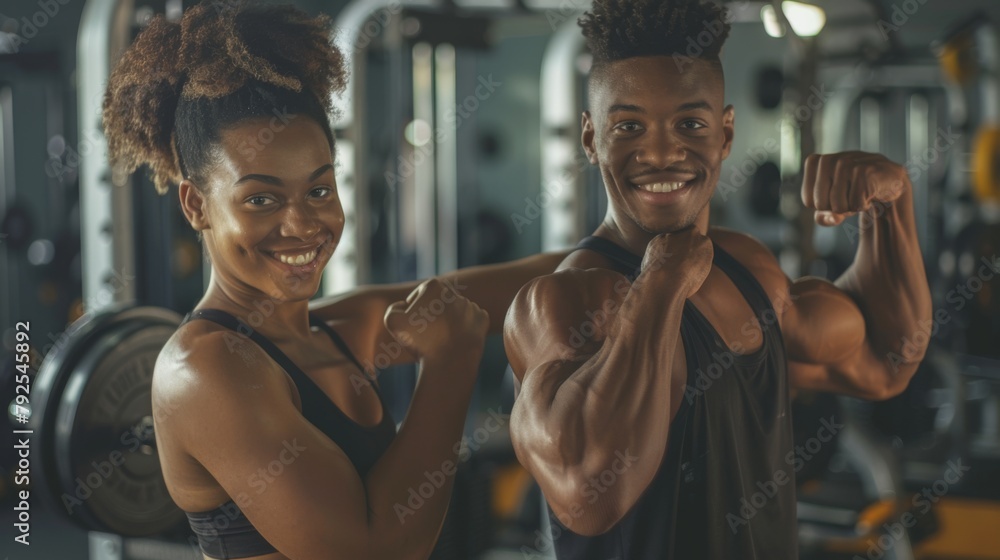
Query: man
x,y
655,366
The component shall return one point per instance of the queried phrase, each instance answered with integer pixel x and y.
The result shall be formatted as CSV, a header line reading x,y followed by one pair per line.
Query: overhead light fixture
x,y
418,132
806,20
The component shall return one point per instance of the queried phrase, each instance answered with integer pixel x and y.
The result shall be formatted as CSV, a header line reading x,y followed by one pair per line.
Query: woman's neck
x,y
273,318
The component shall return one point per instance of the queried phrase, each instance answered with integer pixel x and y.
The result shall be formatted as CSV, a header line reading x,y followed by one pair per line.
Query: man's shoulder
x,y
562,316
755,256
741,245
749,251
585,259
578,284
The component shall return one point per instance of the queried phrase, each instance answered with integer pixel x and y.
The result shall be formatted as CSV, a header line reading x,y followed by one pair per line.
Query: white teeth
x,y
661,187
298,260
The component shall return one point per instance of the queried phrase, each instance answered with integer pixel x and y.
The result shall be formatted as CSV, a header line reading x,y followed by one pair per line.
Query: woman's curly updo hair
x,y
621,29
226,62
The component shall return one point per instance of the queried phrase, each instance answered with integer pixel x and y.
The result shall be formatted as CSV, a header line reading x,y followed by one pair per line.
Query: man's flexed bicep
x,y
827,342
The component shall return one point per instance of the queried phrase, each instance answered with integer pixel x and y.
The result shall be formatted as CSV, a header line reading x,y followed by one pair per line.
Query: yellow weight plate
x,y
986,164
956,59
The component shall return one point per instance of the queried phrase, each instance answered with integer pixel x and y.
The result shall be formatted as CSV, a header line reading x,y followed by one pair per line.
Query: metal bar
x,y
870,116
355,29
424,196
563,211
105,210
9,310
918,134
445,138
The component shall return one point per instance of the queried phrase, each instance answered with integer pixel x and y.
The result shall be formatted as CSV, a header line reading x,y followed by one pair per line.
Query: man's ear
x,y
728,129
193,205
587,138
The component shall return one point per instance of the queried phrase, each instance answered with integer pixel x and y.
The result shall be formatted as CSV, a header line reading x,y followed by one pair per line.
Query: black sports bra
x,y
225,532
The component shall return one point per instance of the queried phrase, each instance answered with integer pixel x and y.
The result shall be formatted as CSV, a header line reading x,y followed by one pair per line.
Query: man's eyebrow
x,y
626,108
694,105
691,106
271,180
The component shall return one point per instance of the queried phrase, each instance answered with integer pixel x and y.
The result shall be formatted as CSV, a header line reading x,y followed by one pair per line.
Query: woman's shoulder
x,y
204,365
214,393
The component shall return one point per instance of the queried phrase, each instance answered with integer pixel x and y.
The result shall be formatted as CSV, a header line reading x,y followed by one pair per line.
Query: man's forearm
x,y
570,430
889,283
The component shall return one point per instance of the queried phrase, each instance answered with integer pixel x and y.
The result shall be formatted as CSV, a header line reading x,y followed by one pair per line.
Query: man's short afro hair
x,y
620,29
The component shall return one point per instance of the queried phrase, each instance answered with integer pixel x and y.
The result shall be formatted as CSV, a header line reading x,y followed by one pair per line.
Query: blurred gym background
x,y
459,145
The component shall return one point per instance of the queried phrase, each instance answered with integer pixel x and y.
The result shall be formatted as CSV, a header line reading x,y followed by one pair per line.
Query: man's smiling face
x,y
659,135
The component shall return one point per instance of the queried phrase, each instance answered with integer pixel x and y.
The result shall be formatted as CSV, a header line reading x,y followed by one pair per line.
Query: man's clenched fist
x,y
840,185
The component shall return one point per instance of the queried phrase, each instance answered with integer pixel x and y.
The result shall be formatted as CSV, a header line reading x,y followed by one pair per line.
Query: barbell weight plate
x,y
48,385
56,370
104,436
67,348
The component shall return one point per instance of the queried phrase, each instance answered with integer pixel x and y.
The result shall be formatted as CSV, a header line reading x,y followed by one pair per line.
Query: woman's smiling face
x,y
269,213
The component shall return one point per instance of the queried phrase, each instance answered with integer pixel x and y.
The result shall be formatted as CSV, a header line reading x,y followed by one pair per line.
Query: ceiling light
x,y
806,20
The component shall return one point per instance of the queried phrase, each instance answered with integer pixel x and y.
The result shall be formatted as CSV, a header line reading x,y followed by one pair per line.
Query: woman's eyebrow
x,y
272,180
315,174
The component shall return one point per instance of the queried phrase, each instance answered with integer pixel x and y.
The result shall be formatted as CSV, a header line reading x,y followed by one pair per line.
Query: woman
x,y
271,430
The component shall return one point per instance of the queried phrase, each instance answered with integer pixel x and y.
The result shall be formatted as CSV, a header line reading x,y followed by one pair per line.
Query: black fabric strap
x,y
229,321
747,283
630,264
317,322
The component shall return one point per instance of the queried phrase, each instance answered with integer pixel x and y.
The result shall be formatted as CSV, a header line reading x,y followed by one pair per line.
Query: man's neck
x,y
634,238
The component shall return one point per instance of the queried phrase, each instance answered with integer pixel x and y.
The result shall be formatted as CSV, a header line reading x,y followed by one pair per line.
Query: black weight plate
x,y
70,497
104,434
57,366
47,387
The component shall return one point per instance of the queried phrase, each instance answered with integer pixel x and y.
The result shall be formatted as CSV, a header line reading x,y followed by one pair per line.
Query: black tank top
x,y
726,486
225,532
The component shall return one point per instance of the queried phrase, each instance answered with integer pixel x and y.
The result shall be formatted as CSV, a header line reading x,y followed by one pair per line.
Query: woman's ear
x,y
587,137
193,205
